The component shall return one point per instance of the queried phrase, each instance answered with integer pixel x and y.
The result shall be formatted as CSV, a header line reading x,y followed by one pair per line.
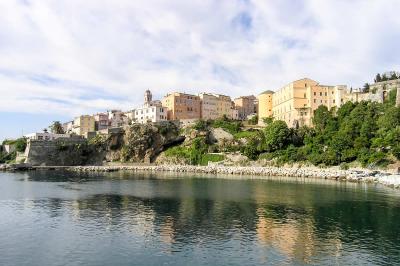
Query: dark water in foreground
x,y
58,218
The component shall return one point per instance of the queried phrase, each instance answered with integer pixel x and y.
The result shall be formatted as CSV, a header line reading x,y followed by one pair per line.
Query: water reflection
x,y
179,218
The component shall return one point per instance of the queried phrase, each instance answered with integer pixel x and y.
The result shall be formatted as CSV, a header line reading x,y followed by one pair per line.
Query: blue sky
x,y
62,58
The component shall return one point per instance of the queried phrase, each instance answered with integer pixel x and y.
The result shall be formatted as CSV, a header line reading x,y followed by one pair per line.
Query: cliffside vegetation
x,y
365,132
19,144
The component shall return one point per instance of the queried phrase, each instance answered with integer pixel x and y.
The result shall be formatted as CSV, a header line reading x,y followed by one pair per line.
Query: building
x,y
234,113
46,136
246,105
151,111
379,91
214,106
208,106
264,105
182,106
83,125
296,102
101,121
117,118
68,127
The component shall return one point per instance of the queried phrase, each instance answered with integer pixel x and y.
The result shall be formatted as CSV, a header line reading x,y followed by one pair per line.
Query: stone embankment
x,y
363,175
16,167
304,172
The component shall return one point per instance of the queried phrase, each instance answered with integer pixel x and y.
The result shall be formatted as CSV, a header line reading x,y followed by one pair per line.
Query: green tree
x,y
56,128
267,120
323,119
253,120
366,87
393,76
277,135
378,78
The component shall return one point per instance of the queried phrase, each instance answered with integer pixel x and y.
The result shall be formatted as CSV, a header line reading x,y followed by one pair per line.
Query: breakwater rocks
x,y
304,172
16,167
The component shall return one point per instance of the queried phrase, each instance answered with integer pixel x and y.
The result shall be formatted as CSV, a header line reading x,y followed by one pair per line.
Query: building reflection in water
x,y
299,221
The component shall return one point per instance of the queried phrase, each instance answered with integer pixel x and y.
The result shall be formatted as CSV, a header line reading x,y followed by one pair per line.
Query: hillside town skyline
x,y
293,103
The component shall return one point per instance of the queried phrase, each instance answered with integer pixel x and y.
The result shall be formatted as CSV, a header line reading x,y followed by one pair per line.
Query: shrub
x,y
211,158
201,125
245,134
230,126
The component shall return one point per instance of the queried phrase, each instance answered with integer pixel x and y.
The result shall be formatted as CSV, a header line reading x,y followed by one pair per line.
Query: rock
x,y
220,136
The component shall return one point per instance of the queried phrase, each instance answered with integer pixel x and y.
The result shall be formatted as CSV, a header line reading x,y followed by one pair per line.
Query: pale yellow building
x,y
265,105
296,102
83,125
214,106
182,106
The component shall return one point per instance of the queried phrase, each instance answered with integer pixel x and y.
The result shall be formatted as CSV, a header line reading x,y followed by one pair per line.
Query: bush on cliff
x,y
231,126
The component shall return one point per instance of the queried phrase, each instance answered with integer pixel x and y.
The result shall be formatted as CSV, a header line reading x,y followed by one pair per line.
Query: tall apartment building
x,y
214,106
83,125
265,105
182,106
246,105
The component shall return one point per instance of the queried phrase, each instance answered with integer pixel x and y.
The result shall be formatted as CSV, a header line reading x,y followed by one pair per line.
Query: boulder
x,y
219,135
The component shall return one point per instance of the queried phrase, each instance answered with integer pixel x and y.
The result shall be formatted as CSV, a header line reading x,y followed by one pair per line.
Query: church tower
x,y
148,97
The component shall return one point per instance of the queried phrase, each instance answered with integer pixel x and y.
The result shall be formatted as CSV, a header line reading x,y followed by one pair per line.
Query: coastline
x,y
351,175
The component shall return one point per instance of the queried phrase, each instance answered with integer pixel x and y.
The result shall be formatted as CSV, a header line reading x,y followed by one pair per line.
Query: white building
x,y
151,111
117,118
68,127
46,136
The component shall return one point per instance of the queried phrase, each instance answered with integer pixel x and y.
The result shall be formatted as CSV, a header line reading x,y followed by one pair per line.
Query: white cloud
x,y
76,56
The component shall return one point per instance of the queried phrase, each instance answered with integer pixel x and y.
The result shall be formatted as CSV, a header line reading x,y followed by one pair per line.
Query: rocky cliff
x,y
142,143
136,143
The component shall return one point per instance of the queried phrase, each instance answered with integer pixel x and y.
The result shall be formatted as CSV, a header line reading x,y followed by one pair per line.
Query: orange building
x,y
265,105
182,106
246,105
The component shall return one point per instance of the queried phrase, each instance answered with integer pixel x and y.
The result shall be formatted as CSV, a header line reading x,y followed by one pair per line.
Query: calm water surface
x,y
60,218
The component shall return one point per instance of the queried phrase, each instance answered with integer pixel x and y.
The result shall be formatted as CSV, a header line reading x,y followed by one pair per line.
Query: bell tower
x,y
148,97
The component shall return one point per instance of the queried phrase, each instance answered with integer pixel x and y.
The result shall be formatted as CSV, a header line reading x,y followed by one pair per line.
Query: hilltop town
x,y
294,103
302,122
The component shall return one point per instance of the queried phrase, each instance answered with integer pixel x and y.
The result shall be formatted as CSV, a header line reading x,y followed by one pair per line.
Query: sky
x,y
62,58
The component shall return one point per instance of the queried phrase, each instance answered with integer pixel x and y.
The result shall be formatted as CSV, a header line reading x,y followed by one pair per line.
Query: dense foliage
x,y
196,154
367,132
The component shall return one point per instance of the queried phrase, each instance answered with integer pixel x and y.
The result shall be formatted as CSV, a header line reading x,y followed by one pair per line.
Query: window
x,y
304,95
315,100
333,101
315,93
326,94
320,94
